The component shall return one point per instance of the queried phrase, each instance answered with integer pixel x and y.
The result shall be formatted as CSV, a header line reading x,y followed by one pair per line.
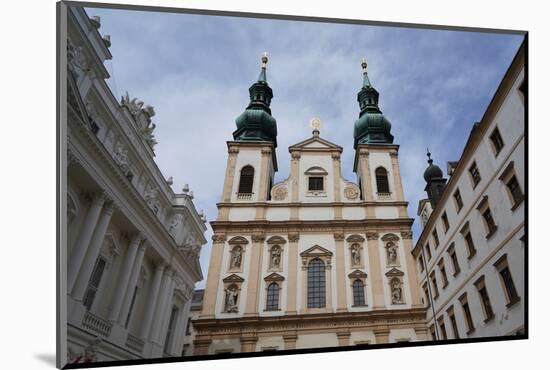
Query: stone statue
x,y
231,299
236,256
120,156
355,255
142,117
174,224
275,257
396,294
392,254
151,197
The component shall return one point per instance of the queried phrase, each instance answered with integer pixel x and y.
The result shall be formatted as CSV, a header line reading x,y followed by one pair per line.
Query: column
x,y
336,179
290,340
292,273
213,278
159,308
264,177
396,177
328,277
252,294
341,304
158,324
167,311
151,302
132,282
93,252
229,174
83,241
181,324
376,271
411,269
366,181
382,334
124,277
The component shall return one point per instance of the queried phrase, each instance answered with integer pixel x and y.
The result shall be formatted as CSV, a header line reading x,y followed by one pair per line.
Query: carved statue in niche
x,y
236,257
392,253
355,254
396,291
276,257
120,156
231,295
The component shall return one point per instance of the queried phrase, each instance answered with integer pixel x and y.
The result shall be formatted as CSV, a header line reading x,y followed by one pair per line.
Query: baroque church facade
x,y
315,260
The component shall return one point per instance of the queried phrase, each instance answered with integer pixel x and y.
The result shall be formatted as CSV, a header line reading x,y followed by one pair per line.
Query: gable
x,y
315,142
274,277
316,251
233,278
394,272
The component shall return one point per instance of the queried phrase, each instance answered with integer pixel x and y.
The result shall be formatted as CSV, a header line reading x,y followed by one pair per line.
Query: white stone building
x,y
132,243
470,255
315,260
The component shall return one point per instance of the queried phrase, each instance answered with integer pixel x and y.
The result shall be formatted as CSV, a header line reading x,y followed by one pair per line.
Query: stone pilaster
x,y
152,301
343,336
293,239
337,180
290,340
201,345
397,176
93,252
159,310
79,250
382,335
295,185
341,304
264,177
376,271
230,173
248,342
411,269
213,279
252,294
366,182
132,282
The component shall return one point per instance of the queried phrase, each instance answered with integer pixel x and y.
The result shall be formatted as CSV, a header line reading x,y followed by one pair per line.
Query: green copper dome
x,y
432,171
256,122
372,127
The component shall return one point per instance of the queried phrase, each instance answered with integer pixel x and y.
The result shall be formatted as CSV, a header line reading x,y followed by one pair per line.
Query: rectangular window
x,y
432,331
484,298
468,240
426,293
315,183
452,319
434,285
507,282
515,191
441,265
445,220
442,329
458,200
489,221
497,141
170,332
475,175
94,282
467,314
436,237
454,259
428,251
131,307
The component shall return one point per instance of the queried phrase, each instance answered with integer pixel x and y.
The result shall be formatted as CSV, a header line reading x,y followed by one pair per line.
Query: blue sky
x,y
196,70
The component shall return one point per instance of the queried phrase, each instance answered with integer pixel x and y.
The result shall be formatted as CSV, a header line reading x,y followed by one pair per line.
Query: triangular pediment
x,y
233,278
316,251
274,277
315,142
394,272
357,274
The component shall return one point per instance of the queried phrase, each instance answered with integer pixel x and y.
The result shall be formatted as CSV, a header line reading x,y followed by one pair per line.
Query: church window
x,y
382,184
95,280
316,284
315,183
272,303
358,293
246,180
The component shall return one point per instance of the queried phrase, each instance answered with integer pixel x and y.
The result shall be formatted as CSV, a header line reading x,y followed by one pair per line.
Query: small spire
x,y
430,160
366,82
262,77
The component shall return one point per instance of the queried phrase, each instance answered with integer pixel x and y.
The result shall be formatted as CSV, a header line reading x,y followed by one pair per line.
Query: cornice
x,y
279,204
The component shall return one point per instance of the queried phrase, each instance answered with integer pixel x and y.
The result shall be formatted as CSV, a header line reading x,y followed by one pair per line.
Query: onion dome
x,y
432,171
256,122
372,127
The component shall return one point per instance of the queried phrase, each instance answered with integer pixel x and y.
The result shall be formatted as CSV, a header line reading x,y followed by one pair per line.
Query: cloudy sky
x,y
196,70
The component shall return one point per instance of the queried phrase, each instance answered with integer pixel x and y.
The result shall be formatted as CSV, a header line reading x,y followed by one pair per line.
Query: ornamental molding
x,y
266,151
258,238
219,238
335,155
274,277
233,278
279,192
316,251
295,155
390,238
233,150
355,239
351,192
394,272
293,237
357,274
363,153
406,234
371,235
339,236
276,240
237,240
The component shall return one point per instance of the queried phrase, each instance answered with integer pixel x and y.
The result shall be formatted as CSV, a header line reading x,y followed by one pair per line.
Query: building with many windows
x,y
470,254
132,243
315,260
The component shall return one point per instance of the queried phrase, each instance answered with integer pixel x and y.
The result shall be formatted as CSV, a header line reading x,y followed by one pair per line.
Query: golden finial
x,y
264,59
364,64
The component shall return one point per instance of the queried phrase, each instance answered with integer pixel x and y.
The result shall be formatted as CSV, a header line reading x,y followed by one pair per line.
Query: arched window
x,y
358,293
272,297
316,284
382,184
247,179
